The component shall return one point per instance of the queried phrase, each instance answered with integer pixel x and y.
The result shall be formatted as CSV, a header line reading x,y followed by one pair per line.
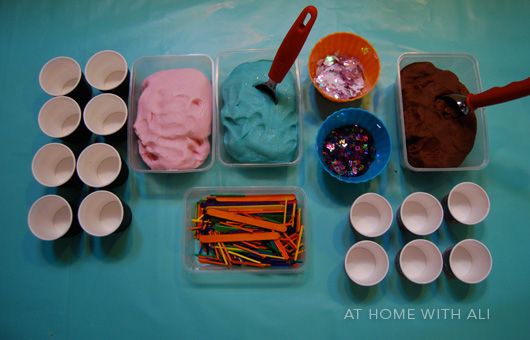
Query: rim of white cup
x,y
384,210
88,71
433,200
435,267
48,64
484,196
95,101
36,230
36,158
489,261
44,110
382,256
98,196
82,159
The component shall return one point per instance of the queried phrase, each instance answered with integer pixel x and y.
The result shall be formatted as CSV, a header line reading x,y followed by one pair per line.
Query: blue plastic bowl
x,y
366,120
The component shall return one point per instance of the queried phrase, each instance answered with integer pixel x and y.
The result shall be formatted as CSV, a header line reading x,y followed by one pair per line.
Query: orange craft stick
x,y
255,198
239,237
286,238
253,245
247,220
282,250
256,207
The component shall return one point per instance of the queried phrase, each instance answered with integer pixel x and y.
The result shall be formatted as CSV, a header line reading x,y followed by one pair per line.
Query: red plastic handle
x,y
292,44
497,95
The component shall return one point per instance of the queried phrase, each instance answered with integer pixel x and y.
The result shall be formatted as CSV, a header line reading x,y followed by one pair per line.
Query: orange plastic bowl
x,y
346,44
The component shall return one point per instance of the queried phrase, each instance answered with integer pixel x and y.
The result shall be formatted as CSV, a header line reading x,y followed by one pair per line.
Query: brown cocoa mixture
x,y
436,136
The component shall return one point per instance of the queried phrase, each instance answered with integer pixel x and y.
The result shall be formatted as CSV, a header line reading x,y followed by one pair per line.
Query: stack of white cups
x,y
420,214
99,165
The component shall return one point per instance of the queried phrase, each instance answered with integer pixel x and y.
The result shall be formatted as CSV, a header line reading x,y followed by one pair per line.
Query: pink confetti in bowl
x,y
349,45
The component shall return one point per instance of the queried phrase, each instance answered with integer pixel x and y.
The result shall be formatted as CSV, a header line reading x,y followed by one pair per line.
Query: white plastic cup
x,y
102,213
50,218
54,165
60,117
100,165
420,261
106,115
420,213
366,263
469,261
107,71
467,203
371,215
62,76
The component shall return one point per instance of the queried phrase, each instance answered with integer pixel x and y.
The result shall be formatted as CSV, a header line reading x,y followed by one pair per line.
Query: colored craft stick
x,y
209,261
243,257
258,207
282,250
285,212
222,254
246,263
289,240
249,250
239,237
298,243
255,198
247,220
253,245
298,220
293,214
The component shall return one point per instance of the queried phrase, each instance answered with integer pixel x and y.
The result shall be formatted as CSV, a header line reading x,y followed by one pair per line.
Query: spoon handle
x,y
292,44
497,95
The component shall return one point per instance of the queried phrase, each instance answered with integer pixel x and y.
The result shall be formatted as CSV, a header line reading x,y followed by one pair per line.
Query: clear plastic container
x,y
224,64
465,66
191,245
143,68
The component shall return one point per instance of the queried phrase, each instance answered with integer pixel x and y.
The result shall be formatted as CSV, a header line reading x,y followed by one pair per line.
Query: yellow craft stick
x,y
298,243
274,256
247,220
222,254
198,219
239,237
243,257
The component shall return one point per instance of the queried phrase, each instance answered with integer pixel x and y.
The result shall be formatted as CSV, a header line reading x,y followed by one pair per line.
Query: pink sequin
x,y
340,77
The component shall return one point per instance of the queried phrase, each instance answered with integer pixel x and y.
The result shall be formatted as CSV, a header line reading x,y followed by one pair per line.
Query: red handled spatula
x,y
495,95
289,49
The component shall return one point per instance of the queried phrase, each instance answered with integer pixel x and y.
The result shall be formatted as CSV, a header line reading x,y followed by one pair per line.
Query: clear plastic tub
x,y
191,245
143,68
224,64
465,66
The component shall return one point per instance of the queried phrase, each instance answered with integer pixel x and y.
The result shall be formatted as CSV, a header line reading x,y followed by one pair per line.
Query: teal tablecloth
x,y
133,286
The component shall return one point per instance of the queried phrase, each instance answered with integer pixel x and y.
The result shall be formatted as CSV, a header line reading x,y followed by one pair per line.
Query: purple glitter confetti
x,y
340,77
348,151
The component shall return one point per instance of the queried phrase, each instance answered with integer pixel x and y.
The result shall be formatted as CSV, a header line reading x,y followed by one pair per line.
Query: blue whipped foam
x,y
255,129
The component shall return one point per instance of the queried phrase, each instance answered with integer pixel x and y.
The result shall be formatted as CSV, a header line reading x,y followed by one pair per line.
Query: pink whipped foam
x,y
174,119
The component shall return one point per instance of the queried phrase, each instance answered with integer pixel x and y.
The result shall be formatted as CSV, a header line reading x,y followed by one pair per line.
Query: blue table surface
x,y
133,285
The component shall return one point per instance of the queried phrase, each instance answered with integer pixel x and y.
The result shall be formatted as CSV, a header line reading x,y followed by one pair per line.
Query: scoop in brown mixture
x,y
436,135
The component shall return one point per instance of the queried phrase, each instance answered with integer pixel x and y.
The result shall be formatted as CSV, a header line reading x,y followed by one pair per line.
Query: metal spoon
x,y
289,49
495,95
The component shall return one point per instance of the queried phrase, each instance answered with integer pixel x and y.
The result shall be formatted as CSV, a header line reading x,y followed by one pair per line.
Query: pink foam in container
x,y
194,149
